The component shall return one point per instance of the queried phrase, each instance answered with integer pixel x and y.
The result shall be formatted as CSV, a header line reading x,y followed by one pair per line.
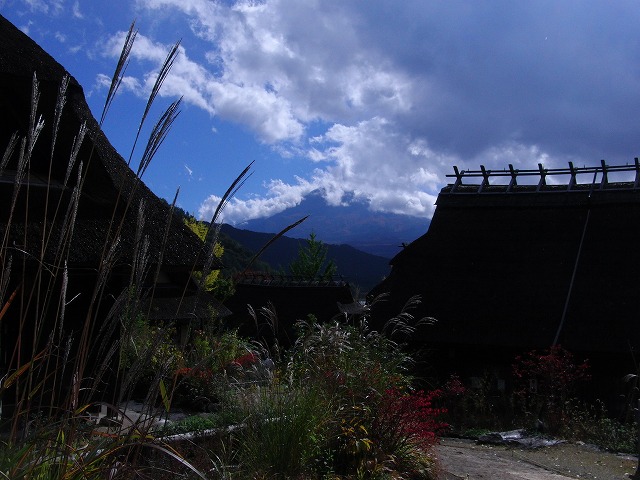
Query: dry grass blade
x,y
6,274
69,221
75,149
404,324
231,191
162,75
270,242
121,68
60,103
35,123
8,302
8,151
158,135
178,458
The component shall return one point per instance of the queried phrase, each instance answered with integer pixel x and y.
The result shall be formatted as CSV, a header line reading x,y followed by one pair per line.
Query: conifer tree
x,y
312,262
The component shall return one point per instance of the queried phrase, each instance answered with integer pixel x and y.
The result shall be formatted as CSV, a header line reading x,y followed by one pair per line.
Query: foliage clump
x,y
312,262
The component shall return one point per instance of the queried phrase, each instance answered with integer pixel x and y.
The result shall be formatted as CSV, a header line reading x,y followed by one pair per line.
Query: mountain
x,y
377,233
359,268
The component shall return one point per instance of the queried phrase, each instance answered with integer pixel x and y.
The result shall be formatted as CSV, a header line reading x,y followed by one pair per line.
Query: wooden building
x,y
516,260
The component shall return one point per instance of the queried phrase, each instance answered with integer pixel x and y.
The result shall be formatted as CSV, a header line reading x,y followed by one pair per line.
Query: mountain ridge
x,y
359,268
377,233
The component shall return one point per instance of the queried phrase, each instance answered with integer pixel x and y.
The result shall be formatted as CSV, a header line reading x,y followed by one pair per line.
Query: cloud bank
x,y
383,99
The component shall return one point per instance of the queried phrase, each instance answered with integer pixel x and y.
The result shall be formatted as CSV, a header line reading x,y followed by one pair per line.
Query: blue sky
x,y
376,99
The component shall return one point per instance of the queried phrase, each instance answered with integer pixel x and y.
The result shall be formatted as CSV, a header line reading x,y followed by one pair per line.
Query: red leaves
x,y
554,370
412,416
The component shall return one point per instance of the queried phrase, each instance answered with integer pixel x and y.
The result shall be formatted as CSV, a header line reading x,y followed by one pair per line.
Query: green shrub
x,y
284,432
591,424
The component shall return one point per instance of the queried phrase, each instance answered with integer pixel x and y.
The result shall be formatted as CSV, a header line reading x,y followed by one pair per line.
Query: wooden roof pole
x,y
576,263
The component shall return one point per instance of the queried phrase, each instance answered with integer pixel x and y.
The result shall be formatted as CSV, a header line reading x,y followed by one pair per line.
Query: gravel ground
x,y
467,460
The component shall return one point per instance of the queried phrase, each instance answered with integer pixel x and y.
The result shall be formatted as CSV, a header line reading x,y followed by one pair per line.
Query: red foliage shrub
x,y
545,381
553,371
409,418
246,360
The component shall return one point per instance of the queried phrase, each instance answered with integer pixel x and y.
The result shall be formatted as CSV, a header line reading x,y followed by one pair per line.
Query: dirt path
x,y
467,460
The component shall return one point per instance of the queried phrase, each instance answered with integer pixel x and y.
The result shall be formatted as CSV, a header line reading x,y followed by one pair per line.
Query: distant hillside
x,y
377,233
359,268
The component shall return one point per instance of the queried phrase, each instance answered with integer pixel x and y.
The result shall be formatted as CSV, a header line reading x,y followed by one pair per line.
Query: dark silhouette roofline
x,y
507,180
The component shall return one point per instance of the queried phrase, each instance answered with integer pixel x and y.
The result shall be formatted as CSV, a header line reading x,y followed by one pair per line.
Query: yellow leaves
x,y
201,229
355,438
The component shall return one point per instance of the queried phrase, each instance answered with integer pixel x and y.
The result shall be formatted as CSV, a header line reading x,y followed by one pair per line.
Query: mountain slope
x,y
377,233
357,267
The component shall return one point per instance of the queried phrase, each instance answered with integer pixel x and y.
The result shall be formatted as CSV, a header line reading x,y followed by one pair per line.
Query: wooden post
x,y
572,180
485,179
605,180
543,177
514,175
458,181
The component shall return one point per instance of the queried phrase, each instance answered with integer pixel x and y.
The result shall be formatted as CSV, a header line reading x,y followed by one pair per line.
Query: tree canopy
x,y
311,261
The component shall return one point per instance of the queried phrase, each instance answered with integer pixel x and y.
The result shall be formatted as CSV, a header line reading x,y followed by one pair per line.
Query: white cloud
x,y
75,9
396,94
280,197
45,6
264,111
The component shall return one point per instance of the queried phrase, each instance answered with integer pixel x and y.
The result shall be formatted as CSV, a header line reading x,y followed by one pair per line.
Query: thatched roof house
x,y
118,228
514,261
108,176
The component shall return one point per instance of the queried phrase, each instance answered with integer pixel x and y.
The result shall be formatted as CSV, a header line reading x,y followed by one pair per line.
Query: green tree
x,y
312,262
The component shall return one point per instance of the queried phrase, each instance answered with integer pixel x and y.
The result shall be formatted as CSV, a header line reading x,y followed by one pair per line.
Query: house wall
x,y
495,270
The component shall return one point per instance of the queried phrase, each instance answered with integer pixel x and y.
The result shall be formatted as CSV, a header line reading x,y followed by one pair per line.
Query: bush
x,y
591,424
546,381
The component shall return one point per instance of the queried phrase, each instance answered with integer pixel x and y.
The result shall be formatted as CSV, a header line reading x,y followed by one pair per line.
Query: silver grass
x,y
230,193
141,249
121,68
162,75
63,298
106,265
8,151
113,321
404,324
4,278
36,123
60,103
158,135
22,163
75,203
69,220
75,149
143,261
273,239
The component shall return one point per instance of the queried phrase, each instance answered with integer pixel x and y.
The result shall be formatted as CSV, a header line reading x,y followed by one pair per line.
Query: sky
x,y
371,100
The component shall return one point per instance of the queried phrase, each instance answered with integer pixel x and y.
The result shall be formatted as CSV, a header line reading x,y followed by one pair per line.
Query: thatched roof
x,y
495,270
107,173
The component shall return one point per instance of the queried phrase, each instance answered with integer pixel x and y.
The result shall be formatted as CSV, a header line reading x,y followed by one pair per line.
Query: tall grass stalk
x,y
53,372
